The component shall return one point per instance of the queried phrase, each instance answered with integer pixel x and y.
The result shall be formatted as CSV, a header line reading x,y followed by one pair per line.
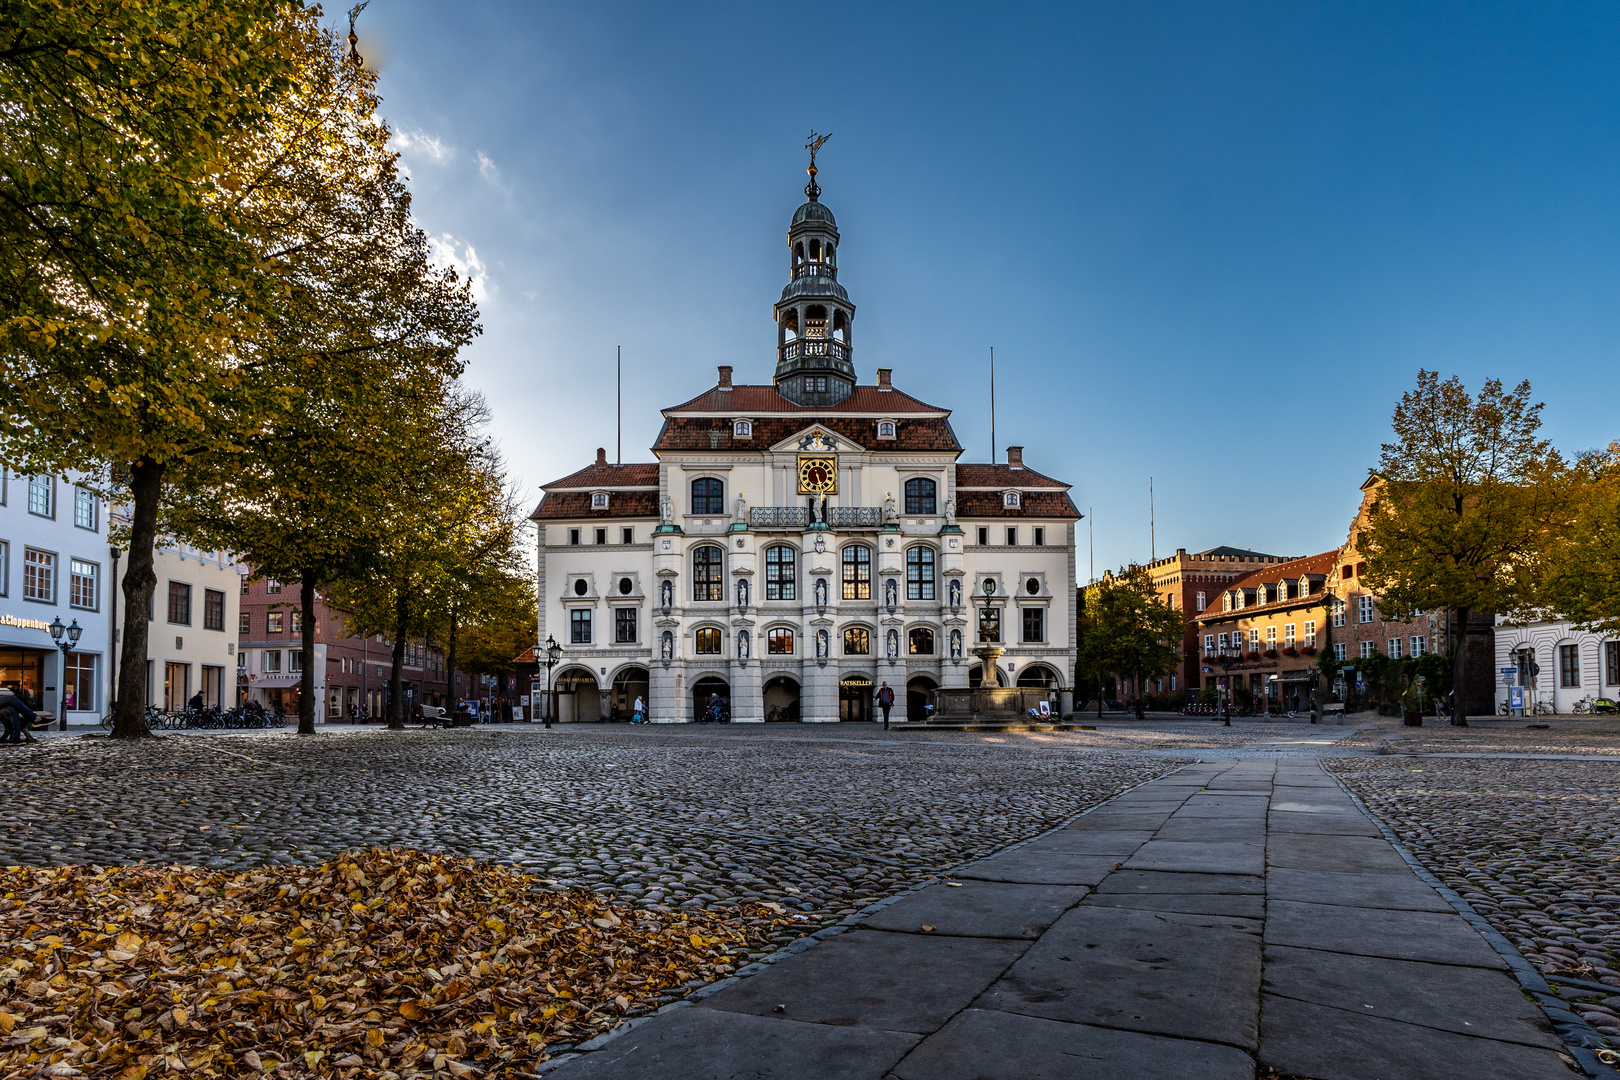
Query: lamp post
x,y
72,633
553,655
1226,661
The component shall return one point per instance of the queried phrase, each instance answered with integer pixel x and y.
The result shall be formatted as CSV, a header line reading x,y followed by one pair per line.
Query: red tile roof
x,y
558,505
1320,565
702,433
1000,477
595,477
1037,504
756,400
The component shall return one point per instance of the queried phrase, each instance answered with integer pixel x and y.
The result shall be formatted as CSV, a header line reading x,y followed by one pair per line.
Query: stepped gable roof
x,y
632,492
1320,565
750,400
704,422
1001,477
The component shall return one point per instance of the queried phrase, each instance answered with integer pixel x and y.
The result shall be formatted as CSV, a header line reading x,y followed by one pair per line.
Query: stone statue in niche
x,y
742,644
821,644
742,508
956,644
890,513
742,594
666,511
950,512
894,643
891,592
667,649
956,592
821,592
666,593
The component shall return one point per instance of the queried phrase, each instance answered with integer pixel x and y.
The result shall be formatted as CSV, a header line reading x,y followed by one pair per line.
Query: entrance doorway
x,y
176,686
706,688
781,699
919,695
629,684
855,698
579,701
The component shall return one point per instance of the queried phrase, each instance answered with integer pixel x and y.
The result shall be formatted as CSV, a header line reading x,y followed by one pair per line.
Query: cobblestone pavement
x,y
1534,846
820,824
1486,735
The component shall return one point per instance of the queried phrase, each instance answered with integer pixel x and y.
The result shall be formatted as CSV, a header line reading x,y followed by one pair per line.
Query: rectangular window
x,y
579,626
1569,665
80,688
1288,636
1341,650
1611,660
627,536
84,509
857,641
5,563
1012,536
1337,608
39,496
272,586
857,572
1364,607
180,603
1310,633
601,537
624,626
1271,637
1254,639
244,623
1202,603
1419,644
781,573
39,576
990,624
295,661
1209,644
920,573
779,642
1368,650
1395,648
213,609
1034,624
1040,537
272,661
984,537
295,622
272,622
82,582
1224,641
244,586
706,641
573,537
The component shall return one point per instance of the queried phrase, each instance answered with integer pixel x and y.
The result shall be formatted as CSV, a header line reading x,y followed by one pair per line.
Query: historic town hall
x,y
798,544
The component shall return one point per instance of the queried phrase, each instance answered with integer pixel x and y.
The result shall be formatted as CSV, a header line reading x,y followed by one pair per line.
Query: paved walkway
x,y
1236,915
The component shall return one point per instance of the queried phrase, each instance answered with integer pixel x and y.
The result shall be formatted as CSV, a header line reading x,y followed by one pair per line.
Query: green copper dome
x,y
813,211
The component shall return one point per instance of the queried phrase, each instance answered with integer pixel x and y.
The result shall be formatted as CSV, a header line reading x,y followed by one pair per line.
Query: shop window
x,y
80,688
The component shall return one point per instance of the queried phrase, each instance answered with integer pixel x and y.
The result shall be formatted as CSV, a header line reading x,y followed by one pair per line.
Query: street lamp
x,y
72,633
553,655
1226,661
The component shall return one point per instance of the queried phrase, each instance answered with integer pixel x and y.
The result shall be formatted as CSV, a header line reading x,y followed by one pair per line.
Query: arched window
x,y
920,496
857,572
840,326
781,573
815,250
885,429
742,429
706,641
922,641
798,253
920,573
708,496
857,641
706,573
815,321
779,642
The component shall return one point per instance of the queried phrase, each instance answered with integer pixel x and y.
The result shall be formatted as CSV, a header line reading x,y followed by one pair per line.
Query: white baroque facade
x,y
1556,663
798,544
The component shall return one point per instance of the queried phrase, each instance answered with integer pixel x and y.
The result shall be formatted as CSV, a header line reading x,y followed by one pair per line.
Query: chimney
x,y
1015,457
883,378
601,455
725,376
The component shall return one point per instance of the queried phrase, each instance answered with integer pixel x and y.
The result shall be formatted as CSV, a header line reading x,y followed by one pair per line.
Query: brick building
x,y
1191,583
1262,632
351,673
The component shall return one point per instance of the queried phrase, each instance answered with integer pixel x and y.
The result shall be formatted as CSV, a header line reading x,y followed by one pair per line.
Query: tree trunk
x,y
146,492
306,681
1459,640
450,666
1141,697
396,691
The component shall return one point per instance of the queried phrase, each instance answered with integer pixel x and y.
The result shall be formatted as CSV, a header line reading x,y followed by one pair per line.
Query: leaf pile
x,y
383,963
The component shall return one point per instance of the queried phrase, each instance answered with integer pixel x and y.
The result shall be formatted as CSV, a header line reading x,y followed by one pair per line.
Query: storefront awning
x,y
276,682
1308,675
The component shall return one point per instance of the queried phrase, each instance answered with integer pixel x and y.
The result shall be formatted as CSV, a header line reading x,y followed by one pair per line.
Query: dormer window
x,y
1011,500
599,500
742,429
885,429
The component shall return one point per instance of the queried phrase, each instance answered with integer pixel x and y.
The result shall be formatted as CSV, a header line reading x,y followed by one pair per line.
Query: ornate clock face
x,y
818,476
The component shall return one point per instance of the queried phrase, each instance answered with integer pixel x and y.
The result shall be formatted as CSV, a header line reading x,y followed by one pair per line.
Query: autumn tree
x,y
1579,576
1471,499
1128,629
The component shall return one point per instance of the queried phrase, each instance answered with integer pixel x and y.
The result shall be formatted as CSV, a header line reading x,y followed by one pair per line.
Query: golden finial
x,y
812,189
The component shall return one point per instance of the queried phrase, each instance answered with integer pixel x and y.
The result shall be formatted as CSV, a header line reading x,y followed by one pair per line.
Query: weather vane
x,y
354,40
812,189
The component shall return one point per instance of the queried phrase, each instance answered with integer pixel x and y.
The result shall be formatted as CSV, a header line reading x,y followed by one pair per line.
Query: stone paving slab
x,y
871,978
980,909
1213,857
1387,891
1468,1001
1351,854
1041,868
1248,907
1191,976
984,1045
1157,881
1117,843
1305,1040
1401,935
1205,829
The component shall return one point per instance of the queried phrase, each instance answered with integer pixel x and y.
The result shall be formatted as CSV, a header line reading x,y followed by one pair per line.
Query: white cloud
x,y
445,250
486,167
417,143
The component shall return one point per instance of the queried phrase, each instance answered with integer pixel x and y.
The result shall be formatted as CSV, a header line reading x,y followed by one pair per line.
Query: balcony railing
x,y
779,517
855,517
814,347
815,269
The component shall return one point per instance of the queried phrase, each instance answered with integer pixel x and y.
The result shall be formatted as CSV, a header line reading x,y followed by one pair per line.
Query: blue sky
x,y
1211,244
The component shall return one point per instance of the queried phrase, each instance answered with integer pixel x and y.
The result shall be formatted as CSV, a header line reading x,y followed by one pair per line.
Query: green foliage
x,y
1127,630
1580,578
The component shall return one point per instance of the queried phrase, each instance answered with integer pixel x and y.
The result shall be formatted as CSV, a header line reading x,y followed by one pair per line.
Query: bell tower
x,y
814,316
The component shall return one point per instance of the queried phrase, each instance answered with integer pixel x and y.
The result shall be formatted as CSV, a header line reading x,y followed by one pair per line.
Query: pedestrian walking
x,y
638,712
885,700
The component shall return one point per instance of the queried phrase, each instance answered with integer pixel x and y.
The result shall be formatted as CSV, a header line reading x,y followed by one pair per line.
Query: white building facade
x,y
192,627
797,545
1556,664
54,559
